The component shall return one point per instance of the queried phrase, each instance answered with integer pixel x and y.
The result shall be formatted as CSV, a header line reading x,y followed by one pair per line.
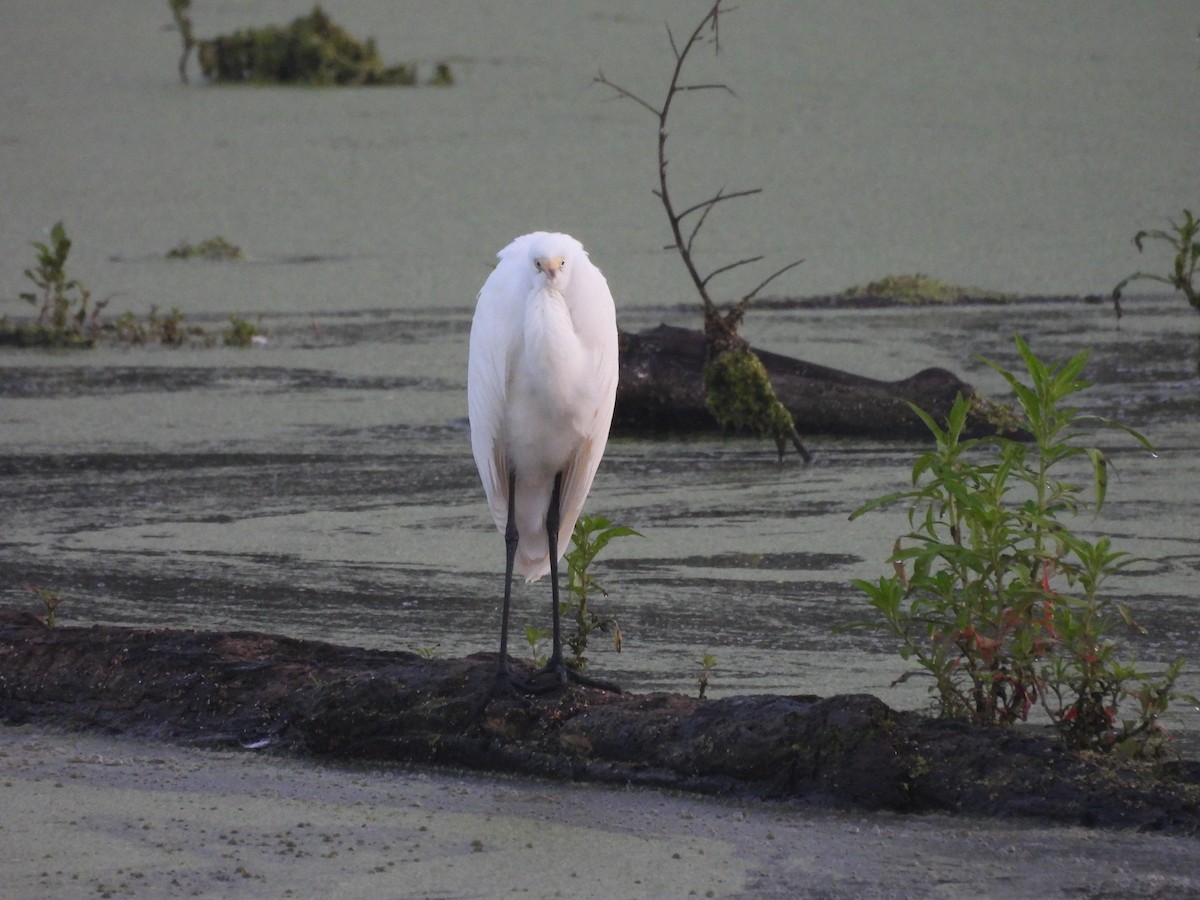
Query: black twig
x,y
732,265
720,328
684,243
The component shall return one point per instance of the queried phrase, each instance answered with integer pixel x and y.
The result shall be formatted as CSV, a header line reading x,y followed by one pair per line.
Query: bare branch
x,y
720,328
717,198
715,86
707,206
184,23
699,223
707,31
624,93
733,265
754,293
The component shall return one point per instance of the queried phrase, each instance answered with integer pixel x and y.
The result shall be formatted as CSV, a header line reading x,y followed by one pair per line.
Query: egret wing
x,y
495,331
595,316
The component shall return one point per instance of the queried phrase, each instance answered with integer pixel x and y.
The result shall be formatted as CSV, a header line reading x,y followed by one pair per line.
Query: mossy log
x,y
661,391
275,694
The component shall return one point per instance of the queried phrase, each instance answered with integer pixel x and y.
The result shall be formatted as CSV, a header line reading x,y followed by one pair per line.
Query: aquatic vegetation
x,y
242,333
66,317
51,599
918,289
536,638
708,662
442,76
1184,239
213,248
591,535
312,50
996,598
167,329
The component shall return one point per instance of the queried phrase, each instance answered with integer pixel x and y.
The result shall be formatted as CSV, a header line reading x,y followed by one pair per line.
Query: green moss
x,y
1001,416
918,289
740,396
312,50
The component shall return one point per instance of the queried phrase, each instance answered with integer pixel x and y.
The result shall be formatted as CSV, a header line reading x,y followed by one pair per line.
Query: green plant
x,y
994,596
51,599
535,637
708,662
241,333
591,535
311,50
64,317
167,329
1184,238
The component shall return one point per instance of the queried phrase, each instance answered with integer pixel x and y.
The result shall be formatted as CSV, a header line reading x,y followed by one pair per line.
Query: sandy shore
x,y
89,816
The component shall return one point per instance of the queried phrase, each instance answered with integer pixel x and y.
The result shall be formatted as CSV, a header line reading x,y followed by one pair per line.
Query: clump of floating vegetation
x,y
918,289
210,248
243,333
168,329
312,50
66,317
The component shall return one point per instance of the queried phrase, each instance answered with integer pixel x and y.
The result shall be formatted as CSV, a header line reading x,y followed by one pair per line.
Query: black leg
x,y
553,519
555,666
510,546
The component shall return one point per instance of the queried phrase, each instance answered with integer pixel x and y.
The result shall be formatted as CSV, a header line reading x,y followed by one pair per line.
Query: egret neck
x,y
553,359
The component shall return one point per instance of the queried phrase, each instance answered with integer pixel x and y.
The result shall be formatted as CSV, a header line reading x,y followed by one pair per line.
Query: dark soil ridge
x,y
282,695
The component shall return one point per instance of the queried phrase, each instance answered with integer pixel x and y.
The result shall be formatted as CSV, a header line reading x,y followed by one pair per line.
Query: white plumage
x,y
541,383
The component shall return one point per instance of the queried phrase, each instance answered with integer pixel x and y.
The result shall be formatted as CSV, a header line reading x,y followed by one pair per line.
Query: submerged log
x,y
661,391
276,694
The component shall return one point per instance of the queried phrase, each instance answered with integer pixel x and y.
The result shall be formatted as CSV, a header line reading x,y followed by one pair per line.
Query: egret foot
x,y
557,674
502,686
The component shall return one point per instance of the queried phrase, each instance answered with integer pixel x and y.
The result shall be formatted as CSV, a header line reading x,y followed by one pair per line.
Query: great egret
x,y
541,383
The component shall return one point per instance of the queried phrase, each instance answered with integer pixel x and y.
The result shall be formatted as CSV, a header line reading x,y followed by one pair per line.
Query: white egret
x,y
541,383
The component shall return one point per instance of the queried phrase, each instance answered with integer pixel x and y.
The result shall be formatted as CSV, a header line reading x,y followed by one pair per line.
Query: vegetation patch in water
x,y
66,317
210,248
312,50
918,289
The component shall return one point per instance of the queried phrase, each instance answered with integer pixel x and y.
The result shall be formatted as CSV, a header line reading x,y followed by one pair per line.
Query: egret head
x,y
552,270
551,256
